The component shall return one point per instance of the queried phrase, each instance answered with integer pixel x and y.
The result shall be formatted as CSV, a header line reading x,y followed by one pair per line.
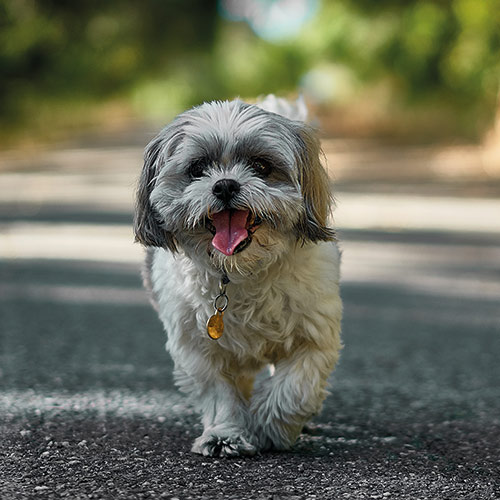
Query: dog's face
x,y
233,185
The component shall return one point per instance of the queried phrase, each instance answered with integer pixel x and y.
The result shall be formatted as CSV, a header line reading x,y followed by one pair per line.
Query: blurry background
x,y
405,94
418,70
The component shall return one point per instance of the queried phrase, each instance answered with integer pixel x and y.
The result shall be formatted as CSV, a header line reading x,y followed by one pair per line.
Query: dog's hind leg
x,y
245,385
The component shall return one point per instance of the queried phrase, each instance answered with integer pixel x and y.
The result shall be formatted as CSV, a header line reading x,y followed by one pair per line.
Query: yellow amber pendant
x,y
215,325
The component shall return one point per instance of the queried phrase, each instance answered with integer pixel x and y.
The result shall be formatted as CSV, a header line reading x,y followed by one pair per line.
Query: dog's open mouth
x,y
232,230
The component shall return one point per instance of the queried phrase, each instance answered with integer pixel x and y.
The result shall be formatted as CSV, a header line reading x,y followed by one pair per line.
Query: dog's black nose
x,y
225,189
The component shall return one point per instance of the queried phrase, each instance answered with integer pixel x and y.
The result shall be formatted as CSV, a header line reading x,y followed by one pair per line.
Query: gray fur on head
x,y
226,140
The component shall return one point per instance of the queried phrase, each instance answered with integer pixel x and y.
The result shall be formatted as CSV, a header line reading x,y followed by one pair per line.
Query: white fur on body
x,y
284,305
288,315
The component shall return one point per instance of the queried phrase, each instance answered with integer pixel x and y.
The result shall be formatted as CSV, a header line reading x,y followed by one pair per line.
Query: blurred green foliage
x,y
448,47
442,54
160,56
67,54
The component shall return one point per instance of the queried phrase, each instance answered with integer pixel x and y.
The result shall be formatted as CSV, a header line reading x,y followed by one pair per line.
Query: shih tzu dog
x,y
243,269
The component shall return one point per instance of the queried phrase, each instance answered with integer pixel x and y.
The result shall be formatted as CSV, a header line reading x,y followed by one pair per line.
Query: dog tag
x,y
215,325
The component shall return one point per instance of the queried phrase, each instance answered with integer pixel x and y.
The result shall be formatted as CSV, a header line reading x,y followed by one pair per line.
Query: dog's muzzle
x,y
232,230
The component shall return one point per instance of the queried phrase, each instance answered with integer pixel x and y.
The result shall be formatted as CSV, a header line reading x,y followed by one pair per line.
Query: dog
x,y
243,269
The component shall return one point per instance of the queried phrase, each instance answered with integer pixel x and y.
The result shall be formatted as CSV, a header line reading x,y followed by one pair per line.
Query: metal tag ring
x,y
225,301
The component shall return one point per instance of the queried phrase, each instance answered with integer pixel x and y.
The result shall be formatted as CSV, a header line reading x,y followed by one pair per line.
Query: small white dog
x,y
233,204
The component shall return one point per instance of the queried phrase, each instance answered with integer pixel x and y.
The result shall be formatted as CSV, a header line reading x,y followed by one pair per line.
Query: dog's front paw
x,y
212,444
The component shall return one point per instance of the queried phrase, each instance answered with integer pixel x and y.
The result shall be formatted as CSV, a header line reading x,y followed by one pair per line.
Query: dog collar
x,y
215,324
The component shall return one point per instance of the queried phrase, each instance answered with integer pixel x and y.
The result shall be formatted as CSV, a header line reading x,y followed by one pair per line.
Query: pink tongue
x,y
230,230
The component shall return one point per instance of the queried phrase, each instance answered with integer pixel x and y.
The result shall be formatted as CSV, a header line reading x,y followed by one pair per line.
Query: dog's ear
x,y
315,189
147,226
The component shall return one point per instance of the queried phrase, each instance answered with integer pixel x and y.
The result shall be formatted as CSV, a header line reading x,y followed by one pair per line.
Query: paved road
x,y
87,407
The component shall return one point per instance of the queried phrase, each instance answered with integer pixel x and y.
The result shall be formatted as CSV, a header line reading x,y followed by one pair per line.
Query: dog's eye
x,y
196,169
261,167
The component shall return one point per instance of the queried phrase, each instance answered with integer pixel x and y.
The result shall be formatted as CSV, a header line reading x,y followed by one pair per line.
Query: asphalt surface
x,y
87,405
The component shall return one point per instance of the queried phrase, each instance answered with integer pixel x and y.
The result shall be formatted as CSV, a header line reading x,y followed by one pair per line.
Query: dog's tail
x,y
293,110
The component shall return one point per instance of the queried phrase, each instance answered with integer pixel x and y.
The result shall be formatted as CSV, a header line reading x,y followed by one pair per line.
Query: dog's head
x,y
232,182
